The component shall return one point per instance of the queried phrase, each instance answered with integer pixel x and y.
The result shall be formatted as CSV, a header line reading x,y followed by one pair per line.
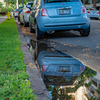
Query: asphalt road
x,y
3,18
85,49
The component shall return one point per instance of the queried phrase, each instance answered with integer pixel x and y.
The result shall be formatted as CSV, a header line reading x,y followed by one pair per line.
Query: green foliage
x,y
0,4
14,83
61,94
82,78
89,72
88,84
98,91
92,98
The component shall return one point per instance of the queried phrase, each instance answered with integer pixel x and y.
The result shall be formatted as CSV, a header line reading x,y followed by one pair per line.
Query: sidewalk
x,y
35,78
2,18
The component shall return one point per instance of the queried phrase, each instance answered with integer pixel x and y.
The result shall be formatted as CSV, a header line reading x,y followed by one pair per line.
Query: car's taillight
x,y
15,11
98,13
44,68
88,12
28,12
44,12
82,68
28,45
83,10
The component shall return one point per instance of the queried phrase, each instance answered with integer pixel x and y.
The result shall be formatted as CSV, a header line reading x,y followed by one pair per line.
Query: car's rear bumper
x,y
94,16
67,74
16,14
65,23
64,80
27,18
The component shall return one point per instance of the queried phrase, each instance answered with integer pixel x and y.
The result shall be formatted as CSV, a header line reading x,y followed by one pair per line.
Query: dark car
x,y
54,65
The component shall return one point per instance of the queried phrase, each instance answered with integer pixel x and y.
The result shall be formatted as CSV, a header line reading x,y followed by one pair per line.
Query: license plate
x,y
64,12
64,68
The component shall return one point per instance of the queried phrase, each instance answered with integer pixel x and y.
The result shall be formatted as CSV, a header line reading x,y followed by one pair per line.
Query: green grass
x,y
14,83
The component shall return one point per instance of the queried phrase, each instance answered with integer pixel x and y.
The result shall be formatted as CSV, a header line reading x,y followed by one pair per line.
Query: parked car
x,y
19,11
24,15
92,12
51,15
55,66
16,13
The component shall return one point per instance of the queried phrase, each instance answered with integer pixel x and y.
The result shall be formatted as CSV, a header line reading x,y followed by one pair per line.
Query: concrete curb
x,y
35,78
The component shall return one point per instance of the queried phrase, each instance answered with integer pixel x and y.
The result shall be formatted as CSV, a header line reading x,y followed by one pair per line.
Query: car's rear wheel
x,y
31,29
33,52
96,18
19,19
21,23
25,24
39,33
85,32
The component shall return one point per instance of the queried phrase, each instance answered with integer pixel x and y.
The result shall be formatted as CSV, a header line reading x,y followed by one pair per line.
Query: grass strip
x,y
14,83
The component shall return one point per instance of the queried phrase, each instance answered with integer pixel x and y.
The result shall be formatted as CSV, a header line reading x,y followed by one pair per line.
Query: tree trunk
x,y
7,4
94,3
17,4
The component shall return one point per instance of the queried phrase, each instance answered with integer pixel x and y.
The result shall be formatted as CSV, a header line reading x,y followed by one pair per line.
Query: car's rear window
x,y
16,10
30,4
51,1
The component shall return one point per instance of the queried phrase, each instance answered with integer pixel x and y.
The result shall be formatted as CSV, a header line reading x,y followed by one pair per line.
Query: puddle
x,y
85,87
65,77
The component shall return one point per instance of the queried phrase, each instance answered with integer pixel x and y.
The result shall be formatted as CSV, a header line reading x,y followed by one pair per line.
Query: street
x,y
2,19
85,49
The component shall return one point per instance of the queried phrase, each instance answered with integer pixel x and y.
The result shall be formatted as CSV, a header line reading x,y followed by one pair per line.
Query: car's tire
x,y
33,52
31,29
25,24
19,19
21,23
96,18
85,32
39,33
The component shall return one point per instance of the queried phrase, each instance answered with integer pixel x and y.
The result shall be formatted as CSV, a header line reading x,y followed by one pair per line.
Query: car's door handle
x,y
64,8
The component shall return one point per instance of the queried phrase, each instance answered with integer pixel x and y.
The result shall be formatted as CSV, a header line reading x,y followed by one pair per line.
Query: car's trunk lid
x,y
63,9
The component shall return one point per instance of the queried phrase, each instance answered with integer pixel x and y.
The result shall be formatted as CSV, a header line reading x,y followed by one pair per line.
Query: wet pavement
x,y
84,84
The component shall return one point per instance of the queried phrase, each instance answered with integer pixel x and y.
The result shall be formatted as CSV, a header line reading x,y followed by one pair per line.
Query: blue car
x,y
58,67
47,16
55,67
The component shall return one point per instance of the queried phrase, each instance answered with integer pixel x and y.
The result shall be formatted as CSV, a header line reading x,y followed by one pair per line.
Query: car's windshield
x,y
51,1
91,8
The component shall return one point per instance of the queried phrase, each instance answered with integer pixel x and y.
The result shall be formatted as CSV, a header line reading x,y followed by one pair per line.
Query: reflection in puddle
x,y
65,77
86,87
